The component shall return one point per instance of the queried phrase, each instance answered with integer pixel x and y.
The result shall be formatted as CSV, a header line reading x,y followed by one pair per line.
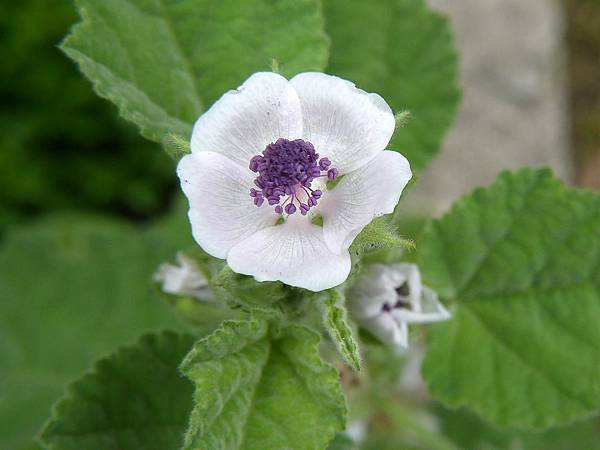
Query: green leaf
x,y
521,261
176,146
342,442
259,390
244,291
72,288
134,399
380,234
470,432
335,317
163,62
405,53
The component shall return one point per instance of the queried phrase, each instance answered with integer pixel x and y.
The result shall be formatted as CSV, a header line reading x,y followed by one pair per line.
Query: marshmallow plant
x,y
257,176
293,180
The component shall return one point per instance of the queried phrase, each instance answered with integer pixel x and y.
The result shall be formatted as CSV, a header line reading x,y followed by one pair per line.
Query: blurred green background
x,y
62,147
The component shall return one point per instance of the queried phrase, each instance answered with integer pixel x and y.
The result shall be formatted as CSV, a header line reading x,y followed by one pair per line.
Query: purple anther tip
x,y
324,163
286,168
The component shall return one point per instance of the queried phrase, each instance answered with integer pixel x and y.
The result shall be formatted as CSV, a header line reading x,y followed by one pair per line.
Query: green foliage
x,y
61,146
342,442
257,388
176,146
134,399
162,62
467,431
402,426
520,260
380,234
335,318
244,291
72,288
403,51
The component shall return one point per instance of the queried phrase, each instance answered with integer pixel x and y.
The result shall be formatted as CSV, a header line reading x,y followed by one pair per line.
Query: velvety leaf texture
x,y
380,234
258,391
163,62
69,293
404,52
335,318
521,260
134,399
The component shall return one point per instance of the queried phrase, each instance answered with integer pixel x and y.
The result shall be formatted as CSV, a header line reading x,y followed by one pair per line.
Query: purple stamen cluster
x,y
285,169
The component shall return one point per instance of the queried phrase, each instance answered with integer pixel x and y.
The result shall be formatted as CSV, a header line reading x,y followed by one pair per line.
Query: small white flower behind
x,y
183,279
257,176
386,298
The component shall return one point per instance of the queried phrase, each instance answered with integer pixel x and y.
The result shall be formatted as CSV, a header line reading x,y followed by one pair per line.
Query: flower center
x,y
285,171
402,293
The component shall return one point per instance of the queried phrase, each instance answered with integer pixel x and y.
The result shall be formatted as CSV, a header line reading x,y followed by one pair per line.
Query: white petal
x,y
361,196
344,123
371,291
387,330
222,212
184,279
432,310
243,122
408,273
294,253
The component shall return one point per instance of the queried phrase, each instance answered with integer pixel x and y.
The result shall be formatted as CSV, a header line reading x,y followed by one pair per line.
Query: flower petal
x,y
222,212
243,122
431,310
387,330
408,273
361,196
372,290
293,253
344,123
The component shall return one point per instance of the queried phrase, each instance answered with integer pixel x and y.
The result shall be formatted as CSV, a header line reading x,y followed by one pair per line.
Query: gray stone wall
x,y
513,111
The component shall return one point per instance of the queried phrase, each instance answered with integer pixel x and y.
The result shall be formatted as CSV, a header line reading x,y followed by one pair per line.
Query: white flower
x,y
386,298
357,431
264,152
184,279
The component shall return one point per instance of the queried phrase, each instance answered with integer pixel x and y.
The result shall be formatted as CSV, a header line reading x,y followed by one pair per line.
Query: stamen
x,y
286,168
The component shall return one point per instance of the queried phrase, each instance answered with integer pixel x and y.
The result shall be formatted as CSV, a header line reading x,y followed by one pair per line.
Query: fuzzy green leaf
x,y
135,398
403,51
259,390
71,289
163,62
335,318
380,234
176,146
244,291
521,260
